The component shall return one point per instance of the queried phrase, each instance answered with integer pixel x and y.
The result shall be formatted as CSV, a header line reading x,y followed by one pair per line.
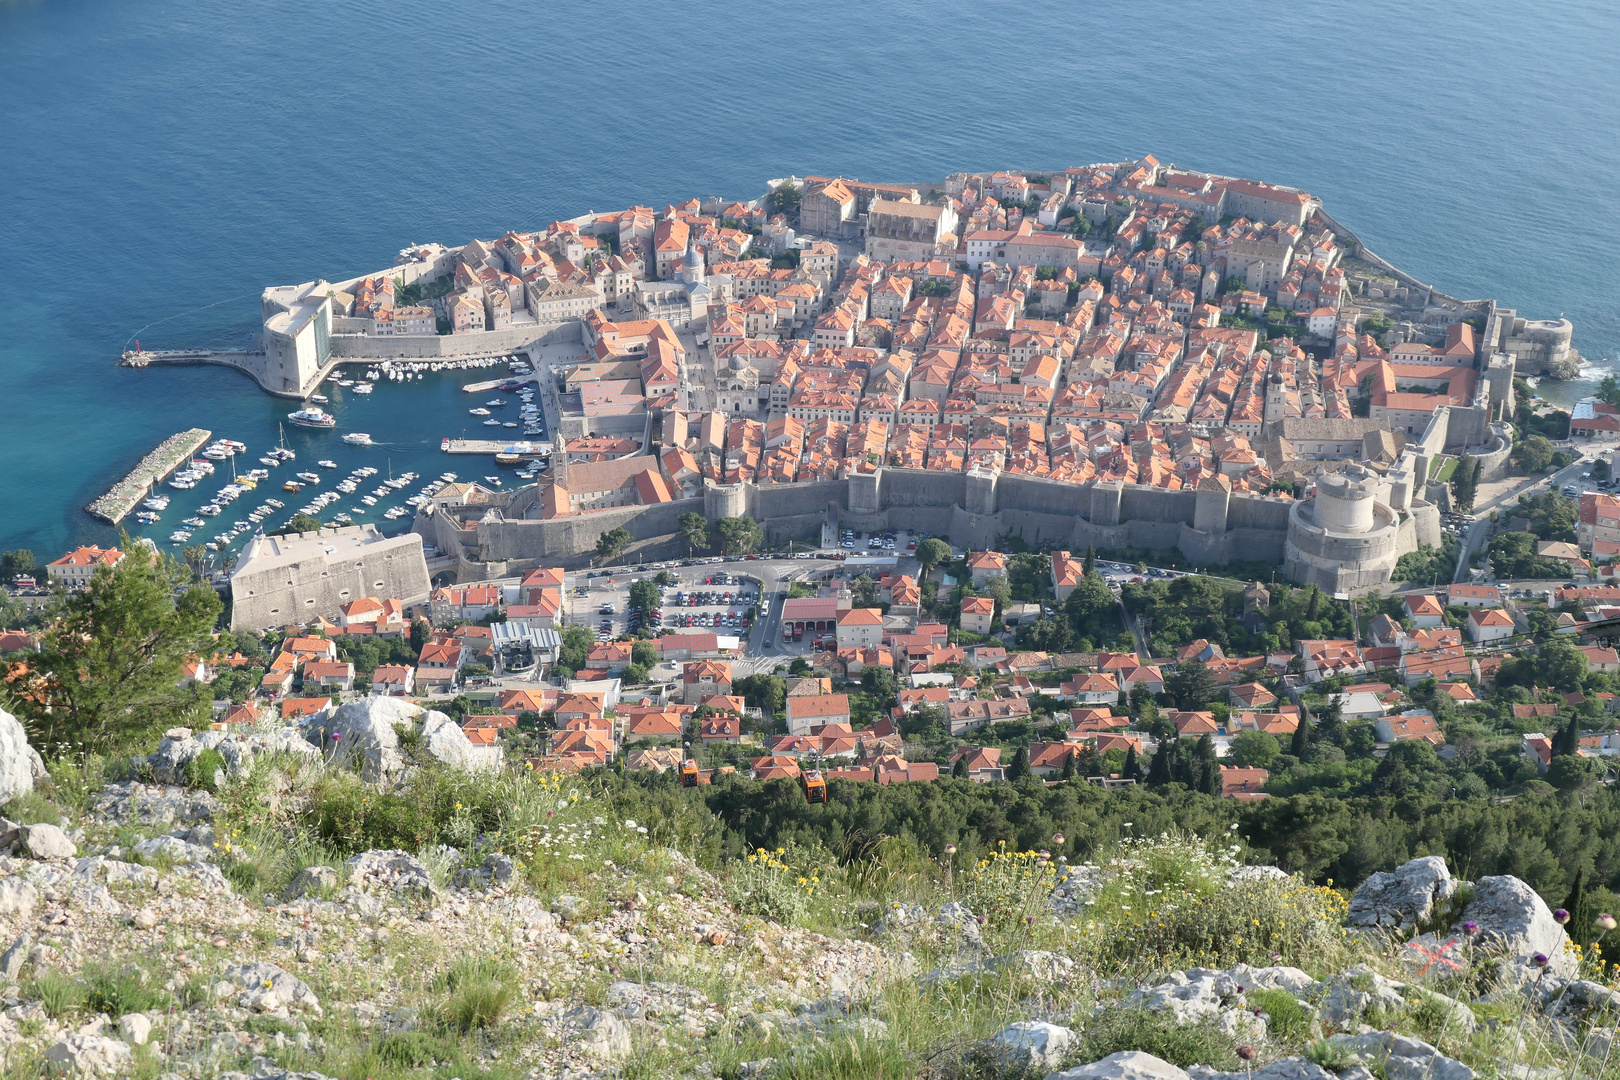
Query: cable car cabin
x,y
689,774
815,786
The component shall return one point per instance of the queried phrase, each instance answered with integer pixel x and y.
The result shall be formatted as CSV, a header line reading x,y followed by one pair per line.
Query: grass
x,y
1442,469
479,992
128,989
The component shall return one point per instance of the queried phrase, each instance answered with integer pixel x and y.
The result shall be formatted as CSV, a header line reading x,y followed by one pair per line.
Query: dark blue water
x,y
157,158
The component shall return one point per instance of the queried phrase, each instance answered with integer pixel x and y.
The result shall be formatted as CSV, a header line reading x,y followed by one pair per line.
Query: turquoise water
x,y
160,159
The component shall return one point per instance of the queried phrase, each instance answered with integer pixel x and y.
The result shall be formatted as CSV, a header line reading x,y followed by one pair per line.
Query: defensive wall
x,y
354,346
1208,527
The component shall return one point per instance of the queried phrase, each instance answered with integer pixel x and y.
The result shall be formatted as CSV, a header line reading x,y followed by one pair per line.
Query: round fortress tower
x,y
1343,538
1344,501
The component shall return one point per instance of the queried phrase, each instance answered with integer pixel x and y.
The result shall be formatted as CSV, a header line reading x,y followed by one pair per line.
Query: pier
x,y
153,469
495,446
482,387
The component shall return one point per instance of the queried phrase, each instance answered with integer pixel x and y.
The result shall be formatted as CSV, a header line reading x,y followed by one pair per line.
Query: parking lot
x,y
701,598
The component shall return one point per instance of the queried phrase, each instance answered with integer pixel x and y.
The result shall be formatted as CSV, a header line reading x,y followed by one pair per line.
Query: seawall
x,y
125,495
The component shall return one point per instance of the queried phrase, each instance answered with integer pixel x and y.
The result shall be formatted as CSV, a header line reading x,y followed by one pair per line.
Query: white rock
x,y
20,764
176,850
1514,920
268,988
601,1034
134,1028
394,871
17,897
89,1055
367,735
1125,1065
45,841
1030,1045
1403,897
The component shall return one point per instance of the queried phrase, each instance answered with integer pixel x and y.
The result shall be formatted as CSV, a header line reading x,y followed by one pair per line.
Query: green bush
x,y
407,1049
60,995
1159,1034
479,992
766,884
123,991
200,769
1286,1018
1330,1055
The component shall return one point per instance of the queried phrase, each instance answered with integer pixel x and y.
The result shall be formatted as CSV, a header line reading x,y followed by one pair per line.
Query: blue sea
x,y
161,163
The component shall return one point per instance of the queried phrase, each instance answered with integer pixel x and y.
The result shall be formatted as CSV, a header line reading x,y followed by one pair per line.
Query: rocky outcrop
x,y
20,764
89,1055
367,735
180,747
1403,898
1125,1065
1513,920
1026,1047
390,871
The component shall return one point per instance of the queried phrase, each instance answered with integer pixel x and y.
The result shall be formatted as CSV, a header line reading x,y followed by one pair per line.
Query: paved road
x,y
1481,528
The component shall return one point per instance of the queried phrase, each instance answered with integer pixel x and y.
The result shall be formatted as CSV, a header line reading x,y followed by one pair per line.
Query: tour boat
x,y
357,438
319,399
444,446
312,418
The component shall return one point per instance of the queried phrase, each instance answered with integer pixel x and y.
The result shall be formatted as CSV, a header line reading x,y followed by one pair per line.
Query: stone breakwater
x,y
170,454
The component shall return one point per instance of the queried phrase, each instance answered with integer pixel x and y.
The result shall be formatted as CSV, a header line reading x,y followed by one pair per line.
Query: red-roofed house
x,y
1489,624
860,628
654,726
805,713
705,678
329,674
1243,783
985,565
75,569
394,680
978,613
1067,573
1413,724
1424,610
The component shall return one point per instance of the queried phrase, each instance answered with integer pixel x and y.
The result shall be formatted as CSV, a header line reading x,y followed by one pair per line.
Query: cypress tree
x,y
1068,767
1580,919
1302,737
1133,768
1019,769
1091,558
1159,769
959,769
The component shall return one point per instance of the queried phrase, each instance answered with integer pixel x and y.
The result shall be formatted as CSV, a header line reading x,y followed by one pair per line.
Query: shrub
x,y
124,991
60,995
479,992
1159,1034
1007,886
1286,1018
407,1049
1330,1055
766,885
200,770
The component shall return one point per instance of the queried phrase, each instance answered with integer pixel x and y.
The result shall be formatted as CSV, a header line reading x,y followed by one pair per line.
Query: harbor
x,y
124,496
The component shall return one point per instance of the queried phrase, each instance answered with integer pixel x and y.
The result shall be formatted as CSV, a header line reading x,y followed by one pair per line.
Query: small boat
x,y
479,412
310,477
357,438
193,522
319,399
293,485
182,483
492,422
510,423
369,500
495,404
312,418
148,517
444,446
327,464
157,502
362,388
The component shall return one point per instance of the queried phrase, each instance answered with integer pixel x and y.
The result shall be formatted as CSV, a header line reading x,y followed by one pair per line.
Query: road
x,y
1481,528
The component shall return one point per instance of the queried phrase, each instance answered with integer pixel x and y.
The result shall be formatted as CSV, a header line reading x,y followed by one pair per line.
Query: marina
x,y
128,493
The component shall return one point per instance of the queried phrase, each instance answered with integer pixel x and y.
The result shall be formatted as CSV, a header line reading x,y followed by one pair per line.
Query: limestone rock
x,y
1294,1068
1404,1057
132,803
652,1001
1035,964
601,1034
267,988
365,733
20,764
1404,897
180,747
391,871
48,842
89,1055
175,850
1125,1065
952,929
1291,979
1189,996
17,897
312,880
1351,993
134,1028
1029,1046
1515,921
11,963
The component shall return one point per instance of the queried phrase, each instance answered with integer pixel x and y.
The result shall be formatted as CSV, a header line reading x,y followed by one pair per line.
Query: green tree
x,y
1019,769
195,556
740,536
1254,749
421,633
931,552
576,643
1090,565
644,595
611,544
785,198
1608,390
959,768
1533,454
644,653
300,523
635,674
15,562
1573,775
1192,686
109,666
694,530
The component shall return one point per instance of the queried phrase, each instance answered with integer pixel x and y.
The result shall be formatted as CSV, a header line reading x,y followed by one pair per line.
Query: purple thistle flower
x,y
1470,928
1560,916
1540,960
1246,1052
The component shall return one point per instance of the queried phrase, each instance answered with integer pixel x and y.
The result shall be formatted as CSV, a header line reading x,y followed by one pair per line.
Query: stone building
x,y
294,578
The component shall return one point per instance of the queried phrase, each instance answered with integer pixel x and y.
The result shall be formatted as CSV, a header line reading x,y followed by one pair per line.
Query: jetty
x,y
153,469
481,387
496,446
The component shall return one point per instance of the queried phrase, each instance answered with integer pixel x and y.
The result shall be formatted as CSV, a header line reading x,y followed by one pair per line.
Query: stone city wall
x,y
346,347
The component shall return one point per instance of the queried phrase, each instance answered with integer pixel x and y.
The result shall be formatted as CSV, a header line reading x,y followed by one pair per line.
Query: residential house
x,y
965,716
804,713
1424,610
981,763
1489,624
75,569
1239,782
1412,724
1473,596
704,678
329,674
393,680
1251,696
978,614
984,565
1067,573
860,628
1100,688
